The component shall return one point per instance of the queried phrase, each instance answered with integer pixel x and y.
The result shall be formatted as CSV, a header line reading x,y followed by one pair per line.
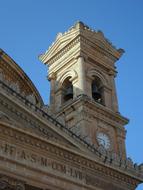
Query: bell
x,y
68,93
96,94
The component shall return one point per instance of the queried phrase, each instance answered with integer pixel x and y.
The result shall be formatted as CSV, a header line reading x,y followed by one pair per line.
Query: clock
x,y
104,140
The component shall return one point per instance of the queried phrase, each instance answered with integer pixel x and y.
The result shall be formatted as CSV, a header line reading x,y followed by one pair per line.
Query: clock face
x,y
103,140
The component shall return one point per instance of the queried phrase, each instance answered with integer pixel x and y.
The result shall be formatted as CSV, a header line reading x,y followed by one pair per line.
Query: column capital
x,y
52,76
81,56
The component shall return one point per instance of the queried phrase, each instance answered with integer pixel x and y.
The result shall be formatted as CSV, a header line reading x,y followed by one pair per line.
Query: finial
x,y
121,51
79,24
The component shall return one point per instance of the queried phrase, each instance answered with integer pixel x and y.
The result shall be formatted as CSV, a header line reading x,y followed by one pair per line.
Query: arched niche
x,y
67,90
98,83
72,74
65,85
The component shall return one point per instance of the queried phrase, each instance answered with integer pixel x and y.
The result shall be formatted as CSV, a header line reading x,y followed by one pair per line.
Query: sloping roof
x,y
14,74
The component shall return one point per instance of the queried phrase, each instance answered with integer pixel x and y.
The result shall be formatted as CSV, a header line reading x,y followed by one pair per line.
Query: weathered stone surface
x,y
71,144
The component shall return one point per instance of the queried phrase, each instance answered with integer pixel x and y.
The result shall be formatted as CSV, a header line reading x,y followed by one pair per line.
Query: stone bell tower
x,y
82,74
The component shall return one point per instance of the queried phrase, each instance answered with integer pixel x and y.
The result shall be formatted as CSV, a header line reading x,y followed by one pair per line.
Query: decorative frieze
x,y
81,173
99,43
12,151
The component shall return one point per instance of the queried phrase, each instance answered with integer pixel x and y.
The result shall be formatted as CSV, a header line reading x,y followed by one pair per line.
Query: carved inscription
x,y
50,165
11,151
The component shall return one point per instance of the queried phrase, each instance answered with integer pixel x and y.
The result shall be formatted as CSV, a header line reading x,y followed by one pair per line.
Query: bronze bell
x,y
68,93
96,94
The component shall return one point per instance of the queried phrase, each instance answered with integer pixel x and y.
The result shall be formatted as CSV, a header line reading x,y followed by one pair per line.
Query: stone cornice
x,y
39,114
60,53
87,163
82,41
104,159
107,113
100,109
80,37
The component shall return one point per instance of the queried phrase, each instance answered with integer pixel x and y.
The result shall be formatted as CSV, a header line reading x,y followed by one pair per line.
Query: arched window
x,y
97,90
67,89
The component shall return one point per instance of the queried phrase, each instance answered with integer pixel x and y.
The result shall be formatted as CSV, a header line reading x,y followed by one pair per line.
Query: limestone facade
x,y
78,141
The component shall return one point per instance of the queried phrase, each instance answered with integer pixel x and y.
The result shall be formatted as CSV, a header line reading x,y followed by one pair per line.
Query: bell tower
x,y
83,95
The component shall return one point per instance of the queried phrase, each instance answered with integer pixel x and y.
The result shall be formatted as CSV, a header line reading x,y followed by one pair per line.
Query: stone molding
x,y
78,39
102,111
101,158
40,115
31,124
16,87
55,151
53,120
82,35
63,51
69,73
92,72
19,81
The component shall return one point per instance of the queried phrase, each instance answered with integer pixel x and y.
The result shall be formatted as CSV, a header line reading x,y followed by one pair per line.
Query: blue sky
x,y
28,27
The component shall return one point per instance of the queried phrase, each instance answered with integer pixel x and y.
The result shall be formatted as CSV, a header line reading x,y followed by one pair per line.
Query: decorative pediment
x,y
63,42
98,39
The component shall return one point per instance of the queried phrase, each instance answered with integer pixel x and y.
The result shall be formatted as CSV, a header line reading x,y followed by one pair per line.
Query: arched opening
x,y
67,90
97,90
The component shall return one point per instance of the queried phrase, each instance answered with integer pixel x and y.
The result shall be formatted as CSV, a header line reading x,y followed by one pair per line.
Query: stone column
x,y
81,75
114,94
52,91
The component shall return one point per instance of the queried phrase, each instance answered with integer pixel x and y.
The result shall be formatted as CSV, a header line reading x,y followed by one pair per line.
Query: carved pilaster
x,y
121,142
114,94
52,79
